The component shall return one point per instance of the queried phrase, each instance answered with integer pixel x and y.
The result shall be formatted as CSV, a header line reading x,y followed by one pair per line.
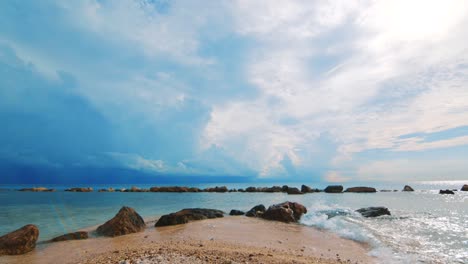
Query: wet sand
x,y
223,240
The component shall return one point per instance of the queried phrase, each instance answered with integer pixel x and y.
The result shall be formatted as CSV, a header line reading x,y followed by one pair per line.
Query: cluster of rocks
x,y
79,189
36,189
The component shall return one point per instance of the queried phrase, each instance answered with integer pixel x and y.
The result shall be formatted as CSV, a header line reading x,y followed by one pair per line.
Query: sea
x,y
424,226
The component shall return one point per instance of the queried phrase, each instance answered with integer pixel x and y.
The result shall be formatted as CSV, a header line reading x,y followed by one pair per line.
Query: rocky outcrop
x,y
373,211
36,189
285,212
446,192
334,189
361,190
294,190
106,190
250,189
126,221
256,211
306,189
20,241
174,189
408,188
186,215
71,236
284,188
236,212
220,189
464,188
79,189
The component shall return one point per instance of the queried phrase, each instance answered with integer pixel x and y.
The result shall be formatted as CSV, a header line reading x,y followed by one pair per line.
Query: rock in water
x,y
361,190
285,212
186,215
334,189
294,190
71,236
373,211
236,212
126,221
256,211
20,241
306,189
464,188
446,192
408,188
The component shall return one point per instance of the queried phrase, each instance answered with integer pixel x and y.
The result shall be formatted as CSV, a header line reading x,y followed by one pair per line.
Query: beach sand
x,y
223,240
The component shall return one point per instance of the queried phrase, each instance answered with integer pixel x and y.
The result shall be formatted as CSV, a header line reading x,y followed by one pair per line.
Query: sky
x,y
329,91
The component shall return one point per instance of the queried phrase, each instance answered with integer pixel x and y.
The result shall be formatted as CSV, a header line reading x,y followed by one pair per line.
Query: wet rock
x,y
334,189
236,212
256,211
36,189
186,215
306,189
220,189
19,241
408,188
251,189
240,190
71,236
446,192
285,212
126,221
386,191
274,189
284,188
373,211
79,189
464,188
174,189
361,190
294,190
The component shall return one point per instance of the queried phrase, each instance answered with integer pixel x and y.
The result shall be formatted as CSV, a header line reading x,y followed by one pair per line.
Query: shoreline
x,y
232,239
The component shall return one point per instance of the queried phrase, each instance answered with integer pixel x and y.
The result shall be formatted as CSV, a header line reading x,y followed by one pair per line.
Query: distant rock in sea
x,y
19,241
307,189
71,236
285,212
373,211
36,189
464,188
446,192
221,189
294,190
408,188
334,189
126,221
79,189
186,215
361,190
256,211
236,212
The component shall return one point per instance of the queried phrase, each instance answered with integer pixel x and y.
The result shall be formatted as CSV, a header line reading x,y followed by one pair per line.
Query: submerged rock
x,y
236,212
446,192
79,189
373,211
361,190
186,215
285,212
126,221
19,241
464,188
256,211
334,189
294,190
71,236
408,188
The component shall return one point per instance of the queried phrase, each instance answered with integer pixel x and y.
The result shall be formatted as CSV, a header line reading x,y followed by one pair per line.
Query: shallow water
x,y
424,227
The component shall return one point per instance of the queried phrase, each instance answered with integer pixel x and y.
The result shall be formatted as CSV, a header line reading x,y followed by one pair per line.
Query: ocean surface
x,y
424,227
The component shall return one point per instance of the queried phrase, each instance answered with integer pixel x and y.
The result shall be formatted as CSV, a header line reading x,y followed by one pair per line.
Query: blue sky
x,y
317,90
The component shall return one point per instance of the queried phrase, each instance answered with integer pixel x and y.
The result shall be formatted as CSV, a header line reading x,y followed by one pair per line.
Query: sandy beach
x,y
223,240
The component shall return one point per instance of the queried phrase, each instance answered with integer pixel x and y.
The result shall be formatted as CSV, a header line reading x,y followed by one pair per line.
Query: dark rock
x,y
36,189
373,211
294,190
386,191
285,212
19,241
464,188
236,212
186,215
408,188
126,221
256,211
284,188
274,189
79,189
306,189
71,236
221,189
174,189
446,192
361,190
251,189
240,190
334,189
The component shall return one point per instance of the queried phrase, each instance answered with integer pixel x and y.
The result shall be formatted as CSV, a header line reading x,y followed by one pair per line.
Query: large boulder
x,y
274,189
446,192
464,188
79,189
256,211
71,236
236,212
294,190
373,211
408,188
20,241
285,212
220,189
306,189
361,190
126,221
334,189
251,189
186,215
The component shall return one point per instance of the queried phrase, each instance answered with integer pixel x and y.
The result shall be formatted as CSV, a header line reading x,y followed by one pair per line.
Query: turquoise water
x,y
425,227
